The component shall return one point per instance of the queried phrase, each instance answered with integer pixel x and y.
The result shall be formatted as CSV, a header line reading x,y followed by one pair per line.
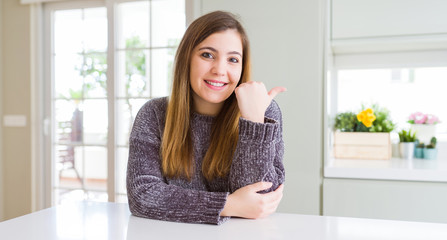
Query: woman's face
x,y
216,67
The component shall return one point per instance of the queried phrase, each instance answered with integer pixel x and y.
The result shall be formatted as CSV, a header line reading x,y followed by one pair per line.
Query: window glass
x,y
148,32
403,91
168,22
133,23
80,104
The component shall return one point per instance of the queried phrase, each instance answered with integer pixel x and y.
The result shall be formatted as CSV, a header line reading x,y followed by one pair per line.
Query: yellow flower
x,y
366,117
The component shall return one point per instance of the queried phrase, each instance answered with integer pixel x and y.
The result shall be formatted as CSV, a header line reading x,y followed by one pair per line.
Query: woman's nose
x,y
218,68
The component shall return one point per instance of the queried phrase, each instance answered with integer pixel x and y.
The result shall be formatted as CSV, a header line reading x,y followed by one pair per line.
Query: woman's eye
x,y
207,55
234,60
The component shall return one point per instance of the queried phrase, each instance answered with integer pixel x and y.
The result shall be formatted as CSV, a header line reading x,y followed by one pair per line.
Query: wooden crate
x,y
362,145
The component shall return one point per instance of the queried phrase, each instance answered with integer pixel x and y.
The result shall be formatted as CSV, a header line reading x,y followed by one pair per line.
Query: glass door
x,y
79,104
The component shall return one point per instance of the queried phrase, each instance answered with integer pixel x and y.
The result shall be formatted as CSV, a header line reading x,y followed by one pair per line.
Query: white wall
x,y
286,38
16,89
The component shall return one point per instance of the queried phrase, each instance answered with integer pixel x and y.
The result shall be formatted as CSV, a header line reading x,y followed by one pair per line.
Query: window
x,y
103,63
401,90
145,54
403,82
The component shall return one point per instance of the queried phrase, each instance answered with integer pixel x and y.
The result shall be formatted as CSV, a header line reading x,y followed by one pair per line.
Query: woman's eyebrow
x,y
235,52
214,50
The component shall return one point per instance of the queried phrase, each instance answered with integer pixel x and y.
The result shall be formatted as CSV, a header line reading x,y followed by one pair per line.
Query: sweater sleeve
x,y
259,152
150,195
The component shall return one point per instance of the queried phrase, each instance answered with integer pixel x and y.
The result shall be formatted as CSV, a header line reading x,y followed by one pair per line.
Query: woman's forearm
x,y
246,202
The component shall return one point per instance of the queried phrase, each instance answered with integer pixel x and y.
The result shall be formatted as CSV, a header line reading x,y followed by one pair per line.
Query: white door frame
x,y
1,120
36,77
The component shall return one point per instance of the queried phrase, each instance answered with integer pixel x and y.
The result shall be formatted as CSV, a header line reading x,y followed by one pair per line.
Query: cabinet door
x,y
385,18
394,200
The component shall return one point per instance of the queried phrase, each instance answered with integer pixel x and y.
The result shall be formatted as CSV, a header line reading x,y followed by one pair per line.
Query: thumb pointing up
x,y
275,91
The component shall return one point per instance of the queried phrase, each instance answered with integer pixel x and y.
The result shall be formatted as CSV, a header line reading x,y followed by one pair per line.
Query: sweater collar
x,y
202,118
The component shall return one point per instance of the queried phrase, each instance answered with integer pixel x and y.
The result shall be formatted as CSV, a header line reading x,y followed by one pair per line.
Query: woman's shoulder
x,y
157,105
150,118
153,109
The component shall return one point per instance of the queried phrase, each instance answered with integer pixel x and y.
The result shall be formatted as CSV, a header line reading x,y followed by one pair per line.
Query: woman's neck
x,y
206,108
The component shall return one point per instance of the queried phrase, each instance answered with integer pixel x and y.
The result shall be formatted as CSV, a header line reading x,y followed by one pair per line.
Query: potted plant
x,y
406,145
346,122
419,151
383,122
430,152
424,125
363,135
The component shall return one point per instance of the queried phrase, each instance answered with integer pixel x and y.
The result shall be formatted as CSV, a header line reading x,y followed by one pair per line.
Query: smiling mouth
x,y
216,84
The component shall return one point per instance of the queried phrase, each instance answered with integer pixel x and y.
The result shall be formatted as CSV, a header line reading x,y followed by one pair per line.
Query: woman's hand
x,y
246,202
253,100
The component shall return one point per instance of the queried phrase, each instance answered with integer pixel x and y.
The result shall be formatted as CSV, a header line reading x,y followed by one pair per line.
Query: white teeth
x,y
215,84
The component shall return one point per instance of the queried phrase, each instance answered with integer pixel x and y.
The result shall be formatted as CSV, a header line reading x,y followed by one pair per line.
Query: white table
x,y
113,221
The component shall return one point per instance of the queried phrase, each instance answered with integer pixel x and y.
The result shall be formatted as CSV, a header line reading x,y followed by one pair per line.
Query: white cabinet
x,y
366,26
394,200
387,18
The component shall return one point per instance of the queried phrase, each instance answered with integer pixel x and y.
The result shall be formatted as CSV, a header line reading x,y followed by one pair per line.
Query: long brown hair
x,y
177,147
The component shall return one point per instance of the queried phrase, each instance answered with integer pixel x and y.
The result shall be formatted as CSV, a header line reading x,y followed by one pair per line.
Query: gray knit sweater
x,y
258,157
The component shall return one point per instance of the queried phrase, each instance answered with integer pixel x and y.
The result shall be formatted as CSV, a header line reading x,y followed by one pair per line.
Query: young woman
x,y
214,148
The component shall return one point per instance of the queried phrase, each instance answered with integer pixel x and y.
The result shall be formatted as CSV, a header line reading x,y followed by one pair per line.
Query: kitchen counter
x,y
393,169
